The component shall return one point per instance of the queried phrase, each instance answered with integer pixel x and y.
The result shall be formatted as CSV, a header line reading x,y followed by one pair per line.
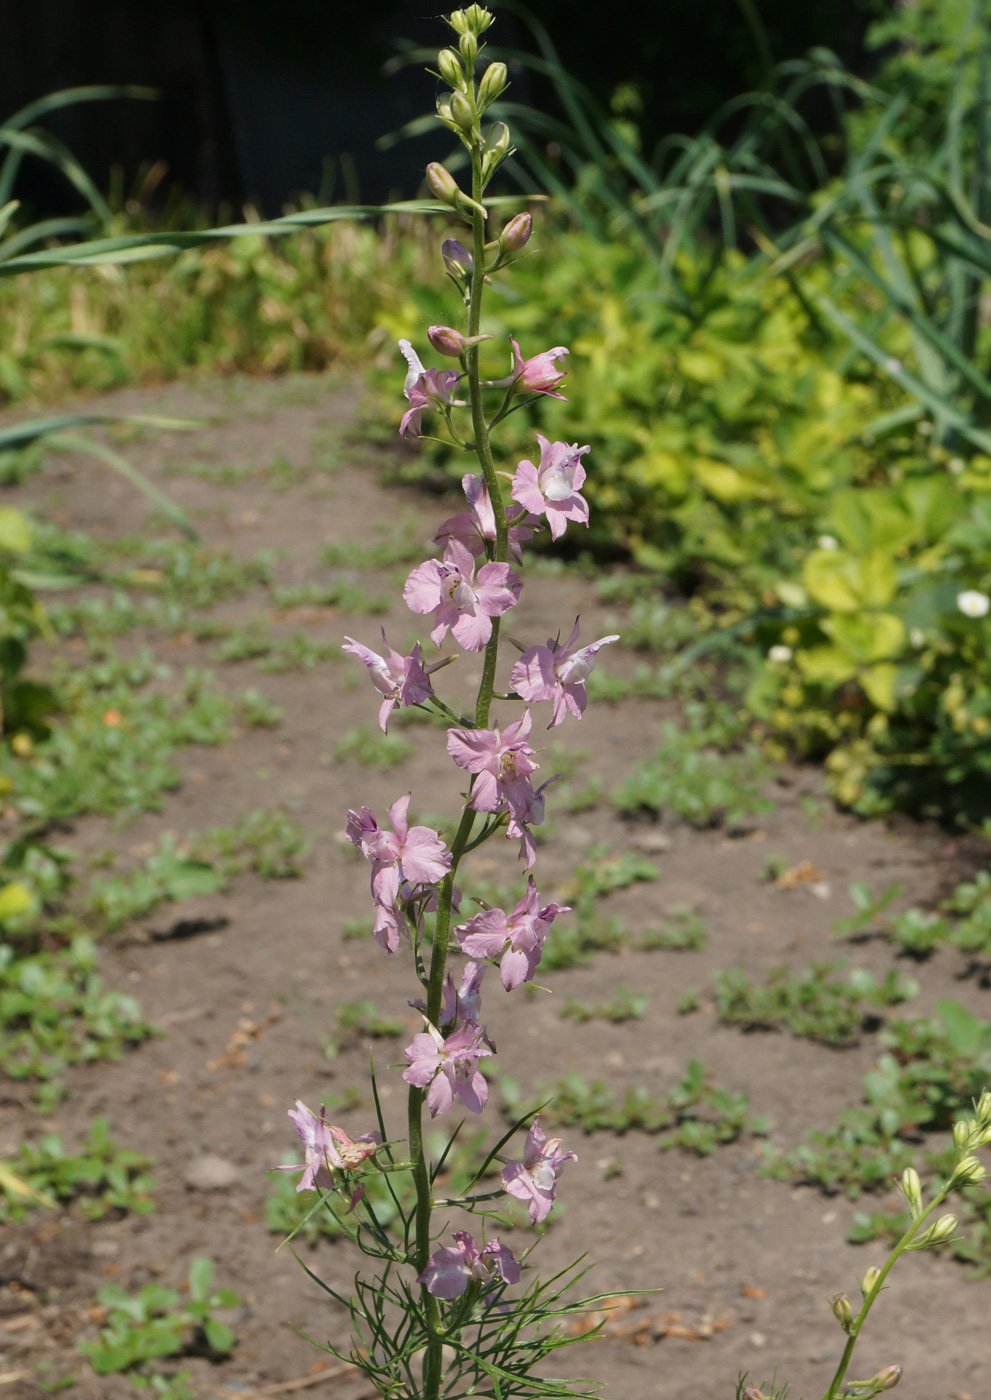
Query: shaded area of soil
x,y
247,989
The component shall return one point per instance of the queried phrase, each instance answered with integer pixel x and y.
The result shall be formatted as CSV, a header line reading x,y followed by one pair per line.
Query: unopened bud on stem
x,y
449,67
442,185
962,1134
943,1229
869,1280
911,1188
462,111
469,50
457,259
516,234
888,1377
475,20
842,1310
968,1172
493,83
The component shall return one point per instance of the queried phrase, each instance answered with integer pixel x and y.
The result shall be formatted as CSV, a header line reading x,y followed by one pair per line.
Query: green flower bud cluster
x,y
461,113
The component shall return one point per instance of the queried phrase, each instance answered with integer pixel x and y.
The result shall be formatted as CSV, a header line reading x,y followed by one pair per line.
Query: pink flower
x,y
476,526
401,679
463,1003
326,1148
500,759
501,762
552,489
425,388
534,1180
450,1270
414,854
449,1067
517,939
539,375
449,589
558,673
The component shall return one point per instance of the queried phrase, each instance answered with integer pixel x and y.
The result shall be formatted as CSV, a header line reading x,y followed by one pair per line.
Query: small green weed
x,y
624,1005
694,782
695,1115
929,1074
682,929
870,909
812,1004
346,595
168,874
267,842
257,711
577,936
603,871
144,1327
54,1013
357,1020
297,652
100,1176
114,755
404,547
372,749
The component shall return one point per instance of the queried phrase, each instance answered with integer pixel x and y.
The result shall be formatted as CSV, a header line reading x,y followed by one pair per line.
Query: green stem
x,y
433,1362
872,1296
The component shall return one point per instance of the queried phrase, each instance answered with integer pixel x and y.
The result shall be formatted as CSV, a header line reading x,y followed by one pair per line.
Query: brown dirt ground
x,y
745,1263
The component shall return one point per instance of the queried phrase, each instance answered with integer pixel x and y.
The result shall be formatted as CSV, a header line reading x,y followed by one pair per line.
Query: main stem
x,y
433,1360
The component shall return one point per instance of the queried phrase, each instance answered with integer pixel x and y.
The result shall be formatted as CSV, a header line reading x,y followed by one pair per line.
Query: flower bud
x,y
462,111
911,1188
517,232
968,1172
469,50
447,341
888,1377
961,1134
842,1310
457,259
444,112
495,150
984,1106
449,67
869,1281
494,81
442,185
943,1229
475,20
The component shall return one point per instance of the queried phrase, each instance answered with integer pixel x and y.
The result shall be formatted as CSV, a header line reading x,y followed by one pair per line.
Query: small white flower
x,y
828,542
780,653
973,604
893,365
917,637
956,465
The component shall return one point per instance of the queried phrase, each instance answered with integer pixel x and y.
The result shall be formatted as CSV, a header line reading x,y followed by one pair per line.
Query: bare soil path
x,y
247,1003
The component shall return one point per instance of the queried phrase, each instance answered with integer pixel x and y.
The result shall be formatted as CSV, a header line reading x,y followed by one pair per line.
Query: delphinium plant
x,y
455,1312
